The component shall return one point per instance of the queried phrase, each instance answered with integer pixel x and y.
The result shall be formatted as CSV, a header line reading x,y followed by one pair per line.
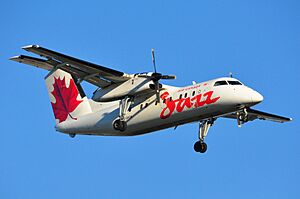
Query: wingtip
x,y
30,46
17,58
289,119
14,57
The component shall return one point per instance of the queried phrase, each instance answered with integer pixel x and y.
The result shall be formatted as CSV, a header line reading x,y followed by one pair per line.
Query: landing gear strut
x,y
121,124
242,117
201,146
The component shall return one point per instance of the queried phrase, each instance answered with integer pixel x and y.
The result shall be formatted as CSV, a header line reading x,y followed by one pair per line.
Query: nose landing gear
x,y
242,117
201,146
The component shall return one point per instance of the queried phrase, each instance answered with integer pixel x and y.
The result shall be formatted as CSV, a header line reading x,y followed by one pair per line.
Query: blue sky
x,y
259,41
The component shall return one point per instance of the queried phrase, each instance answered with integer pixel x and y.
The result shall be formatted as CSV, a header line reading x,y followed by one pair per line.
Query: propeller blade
x,y
158,76
168,77
153,59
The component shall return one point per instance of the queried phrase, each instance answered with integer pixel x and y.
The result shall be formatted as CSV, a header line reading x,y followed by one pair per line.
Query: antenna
x,y
230,74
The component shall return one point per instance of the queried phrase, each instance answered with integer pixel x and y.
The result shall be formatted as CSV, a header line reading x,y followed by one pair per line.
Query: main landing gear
x,y
201,146
121,124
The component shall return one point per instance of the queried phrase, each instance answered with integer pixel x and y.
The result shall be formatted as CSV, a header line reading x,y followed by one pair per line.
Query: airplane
x,y
134,104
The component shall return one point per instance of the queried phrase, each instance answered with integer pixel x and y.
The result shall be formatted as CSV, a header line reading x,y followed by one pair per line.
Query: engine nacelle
x,y
131,87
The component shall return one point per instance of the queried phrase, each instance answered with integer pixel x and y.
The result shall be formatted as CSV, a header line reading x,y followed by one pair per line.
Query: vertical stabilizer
x,y
66,96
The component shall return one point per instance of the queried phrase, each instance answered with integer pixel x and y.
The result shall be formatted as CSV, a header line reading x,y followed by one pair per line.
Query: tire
x,y
197,146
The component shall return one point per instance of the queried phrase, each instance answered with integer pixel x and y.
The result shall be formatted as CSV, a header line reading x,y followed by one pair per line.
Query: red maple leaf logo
x,y
66,99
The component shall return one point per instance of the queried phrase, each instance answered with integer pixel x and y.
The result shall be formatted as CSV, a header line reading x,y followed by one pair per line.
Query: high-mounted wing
x,y
95,74
255,114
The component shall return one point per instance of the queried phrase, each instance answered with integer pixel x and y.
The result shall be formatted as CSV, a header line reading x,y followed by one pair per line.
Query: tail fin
x,y
67,97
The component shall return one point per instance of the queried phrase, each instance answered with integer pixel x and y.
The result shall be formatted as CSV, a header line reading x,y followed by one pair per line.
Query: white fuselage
x,y
179,105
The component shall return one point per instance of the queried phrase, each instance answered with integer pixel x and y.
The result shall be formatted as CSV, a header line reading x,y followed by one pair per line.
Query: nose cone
x,y
257,97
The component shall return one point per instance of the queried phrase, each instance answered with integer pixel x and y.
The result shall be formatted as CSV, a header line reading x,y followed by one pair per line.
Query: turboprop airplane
x,y
134,104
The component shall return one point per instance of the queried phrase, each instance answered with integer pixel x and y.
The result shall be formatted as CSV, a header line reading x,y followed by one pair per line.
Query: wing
x,y
255,114
95,74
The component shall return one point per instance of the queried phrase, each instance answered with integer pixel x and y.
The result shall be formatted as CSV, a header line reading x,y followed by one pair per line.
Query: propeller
x,y
155,77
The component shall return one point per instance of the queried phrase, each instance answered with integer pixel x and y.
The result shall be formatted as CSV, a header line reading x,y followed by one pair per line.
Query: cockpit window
x,y
220,83
234,83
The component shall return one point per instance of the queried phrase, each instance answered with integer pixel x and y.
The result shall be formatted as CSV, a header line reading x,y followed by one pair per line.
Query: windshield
x,y
230,82
235,83
220,83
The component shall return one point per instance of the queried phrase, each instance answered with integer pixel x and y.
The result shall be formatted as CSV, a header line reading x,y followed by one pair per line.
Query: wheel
x,y
123,126
120,125
203,147
116,124
200,147
72,135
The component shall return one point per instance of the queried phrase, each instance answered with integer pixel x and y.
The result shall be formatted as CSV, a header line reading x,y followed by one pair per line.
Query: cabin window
x,y
155,102
146,105
185,95
234,83
193,93
220,83
170,98
141,107
180,96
